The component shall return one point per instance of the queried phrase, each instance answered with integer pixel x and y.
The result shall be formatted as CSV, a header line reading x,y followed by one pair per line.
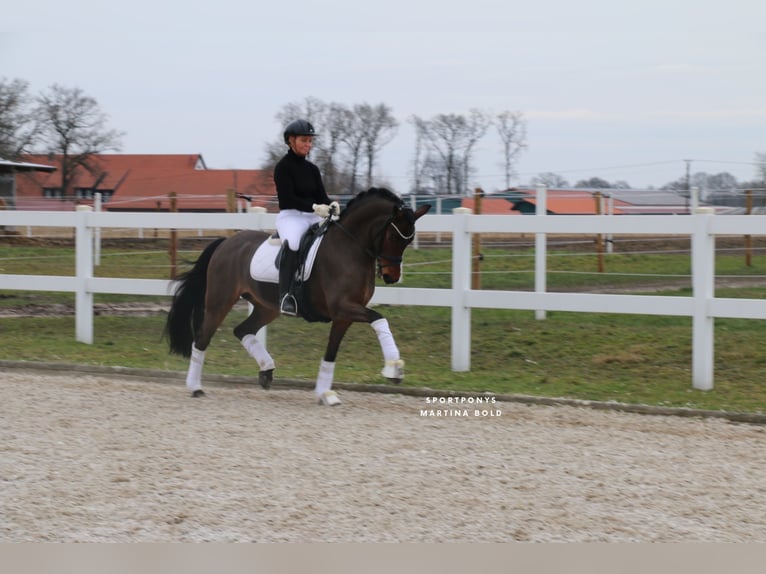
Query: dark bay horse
x,y
371,234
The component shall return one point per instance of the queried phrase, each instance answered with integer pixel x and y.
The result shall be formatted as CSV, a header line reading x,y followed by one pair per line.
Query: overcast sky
x,y
619,90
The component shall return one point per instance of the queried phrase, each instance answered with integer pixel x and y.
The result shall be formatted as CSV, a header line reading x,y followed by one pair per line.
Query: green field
x,y
604,357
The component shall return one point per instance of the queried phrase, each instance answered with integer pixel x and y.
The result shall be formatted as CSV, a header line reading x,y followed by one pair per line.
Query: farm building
x,y
8,171
523,201
129,182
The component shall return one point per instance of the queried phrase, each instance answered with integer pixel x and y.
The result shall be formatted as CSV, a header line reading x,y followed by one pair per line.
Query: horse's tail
x,y
188,307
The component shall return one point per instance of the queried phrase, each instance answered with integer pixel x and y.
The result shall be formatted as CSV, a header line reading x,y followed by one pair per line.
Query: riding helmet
x,y
299,128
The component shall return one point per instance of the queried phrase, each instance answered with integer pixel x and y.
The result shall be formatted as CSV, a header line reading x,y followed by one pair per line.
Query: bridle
x,y
380,241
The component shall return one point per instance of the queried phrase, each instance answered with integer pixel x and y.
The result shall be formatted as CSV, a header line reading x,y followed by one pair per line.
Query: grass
x,y
604,357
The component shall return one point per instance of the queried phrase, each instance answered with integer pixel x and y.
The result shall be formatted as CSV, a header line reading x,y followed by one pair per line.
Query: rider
x,y
302,202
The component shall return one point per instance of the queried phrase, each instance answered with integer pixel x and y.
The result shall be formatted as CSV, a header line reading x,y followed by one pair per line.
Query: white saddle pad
x,y
263,265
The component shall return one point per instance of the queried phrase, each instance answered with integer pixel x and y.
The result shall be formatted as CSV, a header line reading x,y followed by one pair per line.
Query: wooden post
x,y
159,208
749,238
599,237
231,205
476,258
173,246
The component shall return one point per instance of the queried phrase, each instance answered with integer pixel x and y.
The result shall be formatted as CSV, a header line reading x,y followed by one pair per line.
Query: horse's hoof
x,y
198,393
329,399
393,371
265,378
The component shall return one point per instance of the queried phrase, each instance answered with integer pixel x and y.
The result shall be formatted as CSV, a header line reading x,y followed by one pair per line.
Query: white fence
x,y
702,305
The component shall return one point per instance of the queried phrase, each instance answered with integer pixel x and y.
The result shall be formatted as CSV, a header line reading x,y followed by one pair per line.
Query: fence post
x,y
599,198
703,290
695,198
84,271
478,194
748,237
461,283
541,209
173,242
438,212
97,203
610,211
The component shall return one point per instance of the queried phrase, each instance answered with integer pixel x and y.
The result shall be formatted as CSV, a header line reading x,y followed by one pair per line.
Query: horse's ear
x,y
422,210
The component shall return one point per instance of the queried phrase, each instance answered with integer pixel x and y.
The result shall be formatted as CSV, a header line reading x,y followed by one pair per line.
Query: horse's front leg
x,y
246,332
323,387
393,365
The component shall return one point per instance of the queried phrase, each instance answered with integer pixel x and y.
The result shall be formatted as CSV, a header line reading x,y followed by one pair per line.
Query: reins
x,y
393,260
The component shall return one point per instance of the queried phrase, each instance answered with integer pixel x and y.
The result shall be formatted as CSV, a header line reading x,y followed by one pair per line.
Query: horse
x,y
367,239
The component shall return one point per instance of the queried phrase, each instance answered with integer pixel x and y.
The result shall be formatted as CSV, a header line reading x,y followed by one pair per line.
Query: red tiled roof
x,y
491,205
573,202
138,182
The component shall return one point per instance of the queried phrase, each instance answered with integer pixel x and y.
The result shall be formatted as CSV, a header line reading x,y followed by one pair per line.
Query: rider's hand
x,y
335,210
321,209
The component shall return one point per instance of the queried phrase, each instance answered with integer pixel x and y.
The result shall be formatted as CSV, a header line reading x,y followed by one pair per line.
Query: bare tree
x,y
379,128
478,123
74,127
332,132
451,137
550,180
353,139
760,169
18,128
512,129
593,183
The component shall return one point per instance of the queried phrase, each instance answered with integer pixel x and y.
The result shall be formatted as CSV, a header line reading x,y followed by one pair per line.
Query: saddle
x,y
312,234
266,261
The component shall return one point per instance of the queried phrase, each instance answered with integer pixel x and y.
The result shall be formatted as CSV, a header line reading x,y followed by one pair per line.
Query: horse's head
x,y
397,234
393,232
388,225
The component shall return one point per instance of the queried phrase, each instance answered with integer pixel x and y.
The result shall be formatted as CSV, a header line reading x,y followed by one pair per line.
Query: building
x,y
8,173
129,182
585,202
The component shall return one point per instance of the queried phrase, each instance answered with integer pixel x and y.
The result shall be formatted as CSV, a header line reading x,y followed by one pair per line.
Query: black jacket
x,y
299,183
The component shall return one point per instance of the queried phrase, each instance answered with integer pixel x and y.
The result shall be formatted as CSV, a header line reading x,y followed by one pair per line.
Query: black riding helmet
x,y
299,128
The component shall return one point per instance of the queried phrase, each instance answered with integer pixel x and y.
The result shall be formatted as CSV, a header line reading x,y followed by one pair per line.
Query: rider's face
x,y
301,145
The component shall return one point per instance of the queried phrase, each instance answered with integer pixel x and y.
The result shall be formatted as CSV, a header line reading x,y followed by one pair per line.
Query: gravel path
x,y
93,458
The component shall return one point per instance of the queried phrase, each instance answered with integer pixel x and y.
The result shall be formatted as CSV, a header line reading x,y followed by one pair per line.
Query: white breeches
x,y
292,224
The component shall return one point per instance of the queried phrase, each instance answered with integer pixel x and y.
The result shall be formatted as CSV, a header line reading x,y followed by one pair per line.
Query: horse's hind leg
x,y
246,332
214,316
323,387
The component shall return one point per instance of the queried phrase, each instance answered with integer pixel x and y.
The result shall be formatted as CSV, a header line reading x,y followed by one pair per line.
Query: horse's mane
x,y
373,192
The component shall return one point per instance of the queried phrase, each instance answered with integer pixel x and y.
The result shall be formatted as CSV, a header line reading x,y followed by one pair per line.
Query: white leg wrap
x,y
324,378
258,351
194,374
387,343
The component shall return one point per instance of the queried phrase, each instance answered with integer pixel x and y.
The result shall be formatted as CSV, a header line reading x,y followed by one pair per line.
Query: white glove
x,y
335,210
321,209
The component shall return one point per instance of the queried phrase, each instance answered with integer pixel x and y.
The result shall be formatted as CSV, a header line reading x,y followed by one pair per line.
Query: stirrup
x,y
288,305
329,399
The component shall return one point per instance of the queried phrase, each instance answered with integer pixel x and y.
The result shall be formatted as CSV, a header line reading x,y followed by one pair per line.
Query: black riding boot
x,y
287,264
